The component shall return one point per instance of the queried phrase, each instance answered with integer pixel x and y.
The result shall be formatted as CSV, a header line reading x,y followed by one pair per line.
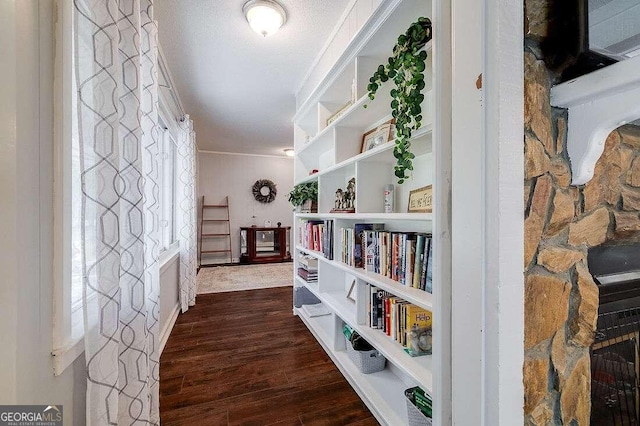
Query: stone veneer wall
x,y
561,223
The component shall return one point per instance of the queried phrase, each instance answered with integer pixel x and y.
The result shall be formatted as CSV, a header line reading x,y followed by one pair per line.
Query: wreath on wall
x,y
264,191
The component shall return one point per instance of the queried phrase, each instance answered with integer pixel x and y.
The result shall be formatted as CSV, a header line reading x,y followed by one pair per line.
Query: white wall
x,y
220,175
8,234
26,217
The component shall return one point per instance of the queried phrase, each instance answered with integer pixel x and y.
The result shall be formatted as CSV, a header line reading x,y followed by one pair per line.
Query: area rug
x,y
221,279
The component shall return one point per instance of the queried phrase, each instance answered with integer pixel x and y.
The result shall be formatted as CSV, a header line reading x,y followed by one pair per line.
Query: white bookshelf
x,y
334,150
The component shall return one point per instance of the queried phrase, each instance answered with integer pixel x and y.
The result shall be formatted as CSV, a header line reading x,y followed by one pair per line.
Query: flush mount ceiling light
x,y
264,16
289,152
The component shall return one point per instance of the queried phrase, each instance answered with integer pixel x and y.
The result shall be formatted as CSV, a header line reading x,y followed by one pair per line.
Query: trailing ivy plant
x,y
406,69
303,192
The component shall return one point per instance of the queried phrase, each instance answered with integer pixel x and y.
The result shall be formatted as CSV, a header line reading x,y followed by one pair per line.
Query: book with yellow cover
x,y
418,330
416,315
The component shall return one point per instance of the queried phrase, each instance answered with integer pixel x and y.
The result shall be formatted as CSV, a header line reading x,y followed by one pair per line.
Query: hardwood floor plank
x,y
342,414
366,422
291,404
243,358
171,385
200,394
209,418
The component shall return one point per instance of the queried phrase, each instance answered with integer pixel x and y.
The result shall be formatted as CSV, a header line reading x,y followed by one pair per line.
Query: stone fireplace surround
x,y
561,223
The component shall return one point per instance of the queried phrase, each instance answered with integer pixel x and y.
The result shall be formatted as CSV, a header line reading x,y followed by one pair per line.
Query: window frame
x,y
68,324
170,130
168,225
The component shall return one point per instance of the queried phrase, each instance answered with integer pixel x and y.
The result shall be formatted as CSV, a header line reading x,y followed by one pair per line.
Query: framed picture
x,y
378,136
351,293
421,200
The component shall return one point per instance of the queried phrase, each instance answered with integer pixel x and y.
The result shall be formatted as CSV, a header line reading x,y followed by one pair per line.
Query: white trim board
x,y
166,330
200,151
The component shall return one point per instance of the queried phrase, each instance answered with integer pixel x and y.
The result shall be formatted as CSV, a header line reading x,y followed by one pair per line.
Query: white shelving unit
x,y
334,150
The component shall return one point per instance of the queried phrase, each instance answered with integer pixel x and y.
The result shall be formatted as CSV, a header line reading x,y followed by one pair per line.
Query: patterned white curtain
x,y
116,71
186,196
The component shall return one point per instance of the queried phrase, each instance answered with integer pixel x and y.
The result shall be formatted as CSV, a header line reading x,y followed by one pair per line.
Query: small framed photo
x,y
378,136
351,295
421,200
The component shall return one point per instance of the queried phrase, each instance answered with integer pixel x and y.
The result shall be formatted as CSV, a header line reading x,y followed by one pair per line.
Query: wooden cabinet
x,y
264,245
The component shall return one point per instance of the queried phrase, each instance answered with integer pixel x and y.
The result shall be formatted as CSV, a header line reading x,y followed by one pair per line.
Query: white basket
x,y
367,361
416,417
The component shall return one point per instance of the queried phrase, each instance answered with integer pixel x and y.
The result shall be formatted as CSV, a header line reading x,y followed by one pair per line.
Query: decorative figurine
x,y
351,194
345,201
339,199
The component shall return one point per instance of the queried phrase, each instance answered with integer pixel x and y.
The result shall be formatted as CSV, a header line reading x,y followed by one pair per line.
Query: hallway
x,y
242,358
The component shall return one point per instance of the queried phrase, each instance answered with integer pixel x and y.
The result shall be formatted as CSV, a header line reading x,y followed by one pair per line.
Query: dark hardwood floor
x,y
242,358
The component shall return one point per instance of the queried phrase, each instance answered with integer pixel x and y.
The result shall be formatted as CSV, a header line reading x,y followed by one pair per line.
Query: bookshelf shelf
x,y
321,327
340,306
382,392
312,150
421,217
418,368
410,294
330,154
313,287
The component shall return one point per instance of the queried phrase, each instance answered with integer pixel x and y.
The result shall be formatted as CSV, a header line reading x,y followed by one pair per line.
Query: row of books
x,y
401,256
404,322
316,235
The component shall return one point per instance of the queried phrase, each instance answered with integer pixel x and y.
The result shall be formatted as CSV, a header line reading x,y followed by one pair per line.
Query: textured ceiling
x,y
237,86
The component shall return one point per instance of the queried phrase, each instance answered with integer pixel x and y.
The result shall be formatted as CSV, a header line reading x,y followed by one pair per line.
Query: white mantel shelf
x,y
598,103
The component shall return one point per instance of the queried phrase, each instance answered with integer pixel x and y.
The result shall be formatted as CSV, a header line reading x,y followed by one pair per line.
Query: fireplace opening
x,y
615,353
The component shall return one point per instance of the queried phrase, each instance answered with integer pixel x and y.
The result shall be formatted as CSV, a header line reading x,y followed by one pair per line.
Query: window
x,y
68,312
167,169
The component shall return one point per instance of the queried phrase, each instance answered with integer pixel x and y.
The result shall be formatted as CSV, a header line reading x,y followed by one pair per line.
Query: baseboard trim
x,y
166,331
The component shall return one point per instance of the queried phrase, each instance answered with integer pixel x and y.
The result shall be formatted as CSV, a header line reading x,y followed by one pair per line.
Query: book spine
x,y
418,261
425,260
376,253
387,317
403,254
369,305
429,280
379,309
392,317
411,258
394,257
